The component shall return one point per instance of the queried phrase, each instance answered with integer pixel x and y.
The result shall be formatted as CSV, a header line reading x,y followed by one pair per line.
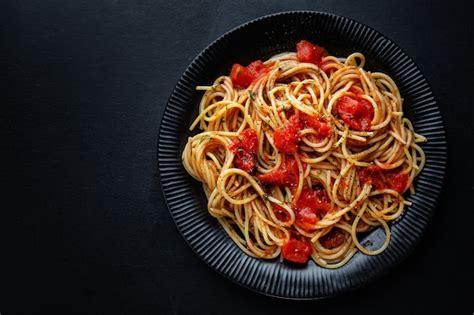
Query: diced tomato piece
x,y
397,181
317,124
306,218
305,209
384,179
372,175
356,112
286,138
285,175
257,68
245,148
281,213
308,52
324,130
309,205
297,251
333,239
244,76
240,75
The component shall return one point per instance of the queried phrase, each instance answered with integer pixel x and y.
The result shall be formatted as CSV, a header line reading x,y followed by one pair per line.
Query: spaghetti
x,y
301,153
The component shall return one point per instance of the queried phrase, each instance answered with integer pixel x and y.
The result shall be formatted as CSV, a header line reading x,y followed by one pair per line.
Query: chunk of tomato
x,y
308,52
397,181
286,138
333,239
381,178
297,251
245,148
256,69
372,175
356,112
309,205
280,213
240,75
244,76
317,123
285,175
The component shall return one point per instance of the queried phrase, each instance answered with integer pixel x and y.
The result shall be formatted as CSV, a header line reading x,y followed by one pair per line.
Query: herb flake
x,y
252,95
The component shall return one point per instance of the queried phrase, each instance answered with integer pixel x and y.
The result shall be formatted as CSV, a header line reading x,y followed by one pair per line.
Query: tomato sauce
x,y
309,205
317,123
280,213
308,52
384,179
333,239
286,138
285,175
297,251
245,148
355,111
244,76
398,181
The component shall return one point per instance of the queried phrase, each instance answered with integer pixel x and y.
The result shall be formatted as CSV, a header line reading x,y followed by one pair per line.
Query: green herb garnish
x,y
252,95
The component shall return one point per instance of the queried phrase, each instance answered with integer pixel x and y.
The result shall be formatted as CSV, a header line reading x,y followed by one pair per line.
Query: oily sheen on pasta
x,y
300,154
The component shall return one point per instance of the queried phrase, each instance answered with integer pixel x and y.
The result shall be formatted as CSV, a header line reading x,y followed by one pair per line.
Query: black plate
x,y
260,39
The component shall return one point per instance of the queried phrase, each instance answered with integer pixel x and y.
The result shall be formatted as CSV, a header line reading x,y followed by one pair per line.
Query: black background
x,y
84,227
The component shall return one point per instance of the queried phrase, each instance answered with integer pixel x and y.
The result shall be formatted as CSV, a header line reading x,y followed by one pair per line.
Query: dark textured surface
x,y
272,35
84,227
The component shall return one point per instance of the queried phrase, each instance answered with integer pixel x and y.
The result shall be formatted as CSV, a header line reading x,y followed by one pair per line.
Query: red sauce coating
x,y
286,138
281,213
355,111
356,90
398,181
257,69
317,123
285,175
384,179
244,76
309,205
297,251
308,52
333,239
245,148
